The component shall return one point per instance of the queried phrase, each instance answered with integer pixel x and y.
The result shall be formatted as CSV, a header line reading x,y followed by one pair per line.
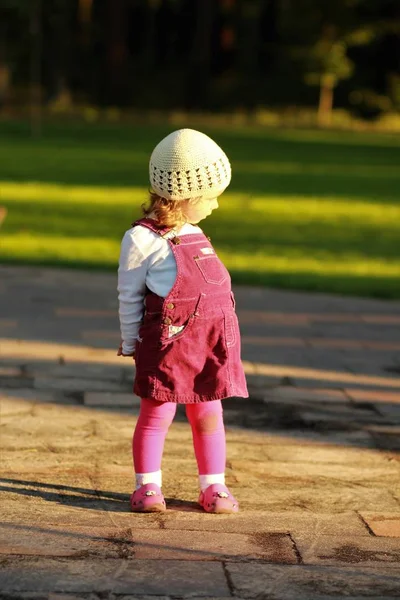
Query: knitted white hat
x,y
188,164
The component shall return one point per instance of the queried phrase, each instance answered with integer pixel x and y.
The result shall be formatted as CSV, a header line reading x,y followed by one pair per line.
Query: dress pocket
x,y
212,269
230,330
170,337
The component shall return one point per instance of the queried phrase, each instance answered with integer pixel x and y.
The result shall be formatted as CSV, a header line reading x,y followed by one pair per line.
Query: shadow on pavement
x,y
79,497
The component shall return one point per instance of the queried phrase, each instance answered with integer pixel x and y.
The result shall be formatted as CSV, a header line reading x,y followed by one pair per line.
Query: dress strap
x,y
152,225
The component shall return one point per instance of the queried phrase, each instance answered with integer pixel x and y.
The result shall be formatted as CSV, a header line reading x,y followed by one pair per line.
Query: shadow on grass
x,y
78,154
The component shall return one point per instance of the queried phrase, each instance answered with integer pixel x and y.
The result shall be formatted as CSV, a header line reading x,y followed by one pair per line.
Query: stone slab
x,y
65,540
16,382
383,524
390,412
297,436
117,576
307,473
209,545
78,370
307,394
94,514
377,395
295,453
10,372
111,399
9,397
78,384
344,550
336,498
266,521
27,350
303,582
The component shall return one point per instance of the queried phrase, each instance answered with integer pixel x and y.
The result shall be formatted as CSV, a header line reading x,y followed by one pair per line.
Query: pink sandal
x,y
218,499
148,498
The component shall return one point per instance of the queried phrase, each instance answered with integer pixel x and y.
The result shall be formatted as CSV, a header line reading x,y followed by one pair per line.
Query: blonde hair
x,y
167,213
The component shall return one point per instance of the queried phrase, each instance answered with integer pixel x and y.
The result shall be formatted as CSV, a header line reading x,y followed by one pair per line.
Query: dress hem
x,y
191,399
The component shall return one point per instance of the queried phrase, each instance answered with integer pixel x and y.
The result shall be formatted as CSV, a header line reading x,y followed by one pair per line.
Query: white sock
x,y
143,478
206,480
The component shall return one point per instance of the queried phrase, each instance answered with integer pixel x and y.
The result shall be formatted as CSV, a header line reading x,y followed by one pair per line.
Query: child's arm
x,y
131,287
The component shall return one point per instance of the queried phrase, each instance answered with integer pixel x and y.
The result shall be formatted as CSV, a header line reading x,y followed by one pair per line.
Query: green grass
x,y
306,209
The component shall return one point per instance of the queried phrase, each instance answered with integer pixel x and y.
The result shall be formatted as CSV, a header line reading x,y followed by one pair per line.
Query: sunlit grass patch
x,y
305,210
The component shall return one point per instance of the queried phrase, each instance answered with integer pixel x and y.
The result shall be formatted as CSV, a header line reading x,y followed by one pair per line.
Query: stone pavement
x,y
313,456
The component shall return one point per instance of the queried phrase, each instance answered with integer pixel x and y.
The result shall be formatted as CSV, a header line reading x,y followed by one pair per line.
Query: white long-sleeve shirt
x,y
146,260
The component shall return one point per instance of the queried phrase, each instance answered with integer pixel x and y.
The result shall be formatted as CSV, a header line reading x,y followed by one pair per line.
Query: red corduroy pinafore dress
x,y
201,361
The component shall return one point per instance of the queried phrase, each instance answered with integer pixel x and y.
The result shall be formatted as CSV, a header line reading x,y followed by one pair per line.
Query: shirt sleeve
x,y
132,271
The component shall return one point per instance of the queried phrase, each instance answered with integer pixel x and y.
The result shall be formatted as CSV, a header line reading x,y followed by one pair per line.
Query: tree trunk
x,y
116,52
326,100
85,8
5,71
249,18
198,74
36,68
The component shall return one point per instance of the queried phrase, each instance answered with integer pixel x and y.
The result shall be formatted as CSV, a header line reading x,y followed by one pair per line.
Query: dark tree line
x,y
203,54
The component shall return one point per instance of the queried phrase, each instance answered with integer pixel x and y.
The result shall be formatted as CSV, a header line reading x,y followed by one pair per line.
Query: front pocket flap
x,y
212,269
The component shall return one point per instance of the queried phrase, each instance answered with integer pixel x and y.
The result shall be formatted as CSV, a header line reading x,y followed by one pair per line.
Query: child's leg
x,y
206,420
148,439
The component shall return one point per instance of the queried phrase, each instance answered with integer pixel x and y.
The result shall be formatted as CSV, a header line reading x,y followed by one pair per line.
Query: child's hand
x,y
120,353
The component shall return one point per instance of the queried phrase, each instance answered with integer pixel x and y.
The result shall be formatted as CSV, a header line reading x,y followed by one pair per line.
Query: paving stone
x,y
8,324
273,341
248,521
54,352
94,514
336,498
386,437
84,312
111,399
390,412
335,378
383,524
339,417
62,540
80,385
55,596
10,372
275,471
117,576
303,582
295,453
260,382
14,402
79,370
307,394
65,596
10,398
341,549
277,436
201,545
102,335
377,395
69,466
16,382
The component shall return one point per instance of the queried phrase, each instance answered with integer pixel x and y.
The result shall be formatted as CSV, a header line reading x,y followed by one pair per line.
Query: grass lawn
x,y
305,210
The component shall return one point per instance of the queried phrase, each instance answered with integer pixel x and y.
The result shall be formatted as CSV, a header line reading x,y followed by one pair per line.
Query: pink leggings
x,y
208,431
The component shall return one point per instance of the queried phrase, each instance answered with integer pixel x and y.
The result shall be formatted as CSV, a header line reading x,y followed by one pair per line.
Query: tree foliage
x,y
211,54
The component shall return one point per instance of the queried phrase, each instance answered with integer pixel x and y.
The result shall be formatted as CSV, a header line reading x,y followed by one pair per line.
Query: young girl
x,y
177,316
